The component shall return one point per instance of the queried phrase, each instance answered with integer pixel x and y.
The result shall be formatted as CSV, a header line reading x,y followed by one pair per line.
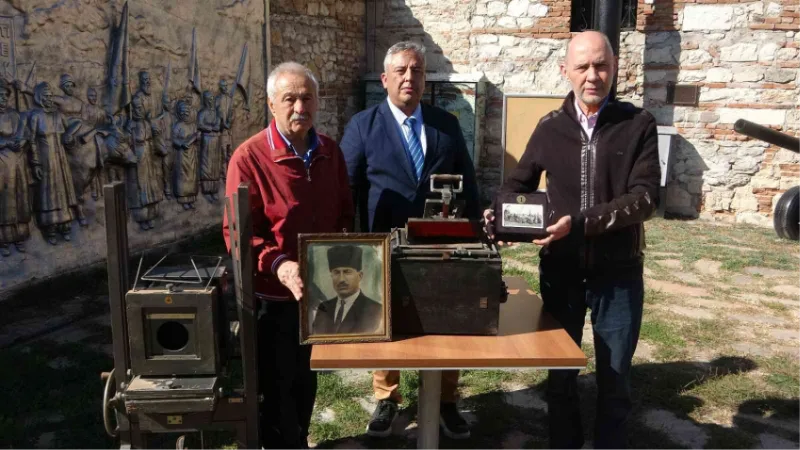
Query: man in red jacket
x,y
298,184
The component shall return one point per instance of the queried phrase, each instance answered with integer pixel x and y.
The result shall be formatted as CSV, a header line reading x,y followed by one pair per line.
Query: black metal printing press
x,y
447,276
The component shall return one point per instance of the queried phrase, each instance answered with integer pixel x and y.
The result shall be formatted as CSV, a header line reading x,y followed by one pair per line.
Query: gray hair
x,y
402,47
289,67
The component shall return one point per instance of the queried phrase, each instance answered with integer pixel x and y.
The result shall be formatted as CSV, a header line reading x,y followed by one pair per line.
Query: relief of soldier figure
x,y
148,104
208,124
90,169
145,178
52,136
163,140
15,208
225,112
71,107
185,171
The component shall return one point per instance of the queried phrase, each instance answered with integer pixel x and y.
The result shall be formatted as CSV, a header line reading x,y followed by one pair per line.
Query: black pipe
x,y
768,135
607,19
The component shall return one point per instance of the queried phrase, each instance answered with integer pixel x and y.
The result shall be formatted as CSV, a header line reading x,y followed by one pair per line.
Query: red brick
x,y
788,26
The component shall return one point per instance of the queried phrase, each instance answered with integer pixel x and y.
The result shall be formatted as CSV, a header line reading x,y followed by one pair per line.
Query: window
x,y
582,17
582,13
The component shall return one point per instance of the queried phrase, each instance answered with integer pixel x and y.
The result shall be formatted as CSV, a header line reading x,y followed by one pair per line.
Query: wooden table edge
x,y
443,364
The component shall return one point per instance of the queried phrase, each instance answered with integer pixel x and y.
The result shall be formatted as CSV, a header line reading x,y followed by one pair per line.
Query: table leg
x,y
430,391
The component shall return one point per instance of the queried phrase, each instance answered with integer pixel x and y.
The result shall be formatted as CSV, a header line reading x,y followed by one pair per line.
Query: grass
x,y
483,381
729,391
697,241
775,306
40,398
335,394
664,334
705,333
531,279
677,377
527,253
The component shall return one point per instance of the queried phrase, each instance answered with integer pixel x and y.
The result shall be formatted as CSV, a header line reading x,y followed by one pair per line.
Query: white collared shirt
x,y
587,123
401,117
348,303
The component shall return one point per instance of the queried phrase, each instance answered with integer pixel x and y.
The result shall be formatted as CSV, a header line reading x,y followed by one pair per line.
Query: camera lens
x,y
172,335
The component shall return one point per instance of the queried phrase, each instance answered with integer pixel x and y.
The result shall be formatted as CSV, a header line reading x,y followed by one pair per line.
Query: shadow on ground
x,y
518,419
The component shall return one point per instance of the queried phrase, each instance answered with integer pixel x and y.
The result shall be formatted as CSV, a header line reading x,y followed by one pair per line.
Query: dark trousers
x,y
285,377
615,301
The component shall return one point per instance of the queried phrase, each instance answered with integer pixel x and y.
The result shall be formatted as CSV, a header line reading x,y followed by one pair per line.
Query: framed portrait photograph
x,y
521,217
346,287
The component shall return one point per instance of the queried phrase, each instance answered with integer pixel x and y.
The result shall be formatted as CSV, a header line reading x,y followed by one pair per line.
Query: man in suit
x,y
391,151
350,311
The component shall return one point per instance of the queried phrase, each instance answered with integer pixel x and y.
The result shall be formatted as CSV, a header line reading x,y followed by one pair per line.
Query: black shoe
x,y
380,425
453,425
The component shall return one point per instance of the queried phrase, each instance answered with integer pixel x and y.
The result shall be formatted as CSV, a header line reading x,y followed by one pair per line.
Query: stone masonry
x,y
743,55
328,37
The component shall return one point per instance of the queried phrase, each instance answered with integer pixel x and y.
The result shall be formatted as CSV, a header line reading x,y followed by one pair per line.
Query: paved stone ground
x,y
763,309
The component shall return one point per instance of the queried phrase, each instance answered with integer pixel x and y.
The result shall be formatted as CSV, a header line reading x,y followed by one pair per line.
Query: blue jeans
x,y
615,301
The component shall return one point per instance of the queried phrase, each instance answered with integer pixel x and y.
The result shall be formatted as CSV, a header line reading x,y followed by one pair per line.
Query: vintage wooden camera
x,y
177,327
177,337
446,275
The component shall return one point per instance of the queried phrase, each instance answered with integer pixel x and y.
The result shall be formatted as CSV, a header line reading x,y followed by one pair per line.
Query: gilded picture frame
x,y
346,287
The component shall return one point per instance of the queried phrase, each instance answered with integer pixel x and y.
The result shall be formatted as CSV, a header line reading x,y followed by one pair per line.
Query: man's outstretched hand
x,y
557,231
488,228
289,276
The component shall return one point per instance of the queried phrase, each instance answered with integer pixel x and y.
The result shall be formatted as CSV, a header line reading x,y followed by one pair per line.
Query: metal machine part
x,y
448,186
446,275
786,217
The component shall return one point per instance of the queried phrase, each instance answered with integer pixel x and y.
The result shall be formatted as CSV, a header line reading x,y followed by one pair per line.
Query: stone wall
x,y
328,37
742,55
41,40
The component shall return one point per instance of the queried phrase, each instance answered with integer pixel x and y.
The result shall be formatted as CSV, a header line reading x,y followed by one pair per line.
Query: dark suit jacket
x,y
381,175
363,317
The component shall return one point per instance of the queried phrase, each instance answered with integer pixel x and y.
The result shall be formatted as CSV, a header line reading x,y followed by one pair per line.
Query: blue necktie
x,y
415,147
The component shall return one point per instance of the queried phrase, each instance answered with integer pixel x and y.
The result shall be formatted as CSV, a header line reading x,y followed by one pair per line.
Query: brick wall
x,y
743,55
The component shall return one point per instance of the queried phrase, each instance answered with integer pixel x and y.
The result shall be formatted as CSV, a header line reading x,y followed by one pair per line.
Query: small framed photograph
x,y
521,217
346,287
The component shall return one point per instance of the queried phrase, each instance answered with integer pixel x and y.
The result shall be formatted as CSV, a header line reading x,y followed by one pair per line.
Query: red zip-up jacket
x,y
286,199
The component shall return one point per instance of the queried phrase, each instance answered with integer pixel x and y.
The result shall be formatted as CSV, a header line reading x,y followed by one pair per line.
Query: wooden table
x,y
527,337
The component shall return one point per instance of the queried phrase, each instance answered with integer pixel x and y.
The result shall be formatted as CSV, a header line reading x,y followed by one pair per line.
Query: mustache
x,y
299,116
341,285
